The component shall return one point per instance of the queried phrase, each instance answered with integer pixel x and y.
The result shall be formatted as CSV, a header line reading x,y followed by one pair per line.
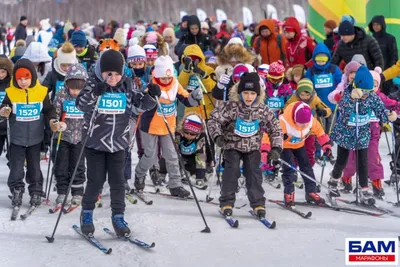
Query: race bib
x,y
112,103
59,86
323,81
168,109
193,83
295,140
2,96
84,64
245,128
188,150
373,118
28,112
275,102
71,111
361,120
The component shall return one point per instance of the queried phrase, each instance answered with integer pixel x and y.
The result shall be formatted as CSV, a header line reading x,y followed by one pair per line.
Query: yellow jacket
x,y
186,79
392,72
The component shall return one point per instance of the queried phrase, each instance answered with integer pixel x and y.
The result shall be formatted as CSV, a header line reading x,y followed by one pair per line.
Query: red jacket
x,y
299,50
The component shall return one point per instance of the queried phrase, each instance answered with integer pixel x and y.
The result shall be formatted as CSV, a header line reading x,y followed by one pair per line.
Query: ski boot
x,y
377,189
16,199
76,200
315,199
209,169
60,199
139,183
87,226
200,182
260,211
179,192
155,176
331,159
347,185
333,186
227,210
120,225
36,200
366,196
289,200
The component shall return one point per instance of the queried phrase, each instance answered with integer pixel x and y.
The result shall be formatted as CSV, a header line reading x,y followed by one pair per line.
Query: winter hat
x,y
276,70
346,28
7,65
376,74
133,41
76,76
352,66
249,82
37,52
136,53
21,42
169,32
208,53
302,113
18,53
22,18
262,70
348,18
363,79
65,55
235,40
151,51
298,69
138,34
360,59
151,38
68,26
330,24
23,73
79,39
305,85
163,67
212,60
193,124
120,37
238,71
204,25
45,24
30,71
112,60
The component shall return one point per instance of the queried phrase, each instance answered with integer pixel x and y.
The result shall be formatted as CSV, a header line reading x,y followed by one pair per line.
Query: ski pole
x,y
322,172
333,119
395,158
46,201
8,138
207,229
218,161
387,142
204,90
356,152
134,134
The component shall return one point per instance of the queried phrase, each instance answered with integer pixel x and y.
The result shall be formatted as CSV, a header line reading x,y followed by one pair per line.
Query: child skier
x,y
6,68
237,125
153,128
294,75
27,105
112,96
70,144
151,56
352,130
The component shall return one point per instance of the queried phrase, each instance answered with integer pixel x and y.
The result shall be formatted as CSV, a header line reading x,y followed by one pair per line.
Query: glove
x,y
285,137
338,97
187,64
386,127
199,71
100,89
327,148
5,112
321,112
356,93
57,126
154,90
219,141
197,94
392,116
223,81
274,154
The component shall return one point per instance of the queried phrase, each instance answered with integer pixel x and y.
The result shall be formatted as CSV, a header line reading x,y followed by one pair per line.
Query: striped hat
x,y
305,85
192,124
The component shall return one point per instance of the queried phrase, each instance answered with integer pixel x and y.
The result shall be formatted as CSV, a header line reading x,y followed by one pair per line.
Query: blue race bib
x,y
84,64
323,81
193,83
275,102
188,150
245,128
295,140
112,103
59,86
2,96
362,119
168,109
69,107
28,112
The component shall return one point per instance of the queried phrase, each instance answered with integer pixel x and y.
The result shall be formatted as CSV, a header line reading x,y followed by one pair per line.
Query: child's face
x,y
351,76
296,78
320,62
194,29
376,86
113,79
79,49
150,62
3,74
265,33
166,80
304,96
189,136
64,67
289,35
74,92
249,97
24,83
327,30
137,65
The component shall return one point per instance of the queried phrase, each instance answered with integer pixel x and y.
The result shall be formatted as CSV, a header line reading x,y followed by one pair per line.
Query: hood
x,y
37,52
234,95
59,35
288,115
321,48
193,20
237,51
179,126
294,23
25,63
359,32
269,23
195,50
6,64
377,19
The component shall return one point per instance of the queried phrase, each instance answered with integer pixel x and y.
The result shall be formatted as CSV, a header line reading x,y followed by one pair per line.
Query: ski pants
x,y
195,165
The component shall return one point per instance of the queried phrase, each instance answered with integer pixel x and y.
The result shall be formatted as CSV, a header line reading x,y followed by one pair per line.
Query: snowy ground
x,y
175,227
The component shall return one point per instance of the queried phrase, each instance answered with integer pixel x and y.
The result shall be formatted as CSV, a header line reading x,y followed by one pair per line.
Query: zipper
x,y
27,125
112,135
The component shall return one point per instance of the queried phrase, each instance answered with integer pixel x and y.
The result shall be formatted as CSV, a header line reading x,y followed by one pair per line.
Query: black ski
x,y
142,196
232,222
28,212
300,213
92,240
15,212
55,209
373,207
264,221
135,241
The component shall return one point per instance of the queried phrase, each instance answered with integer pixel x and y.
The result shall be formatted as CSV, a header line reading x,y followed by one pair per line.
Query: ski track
x,y
175,227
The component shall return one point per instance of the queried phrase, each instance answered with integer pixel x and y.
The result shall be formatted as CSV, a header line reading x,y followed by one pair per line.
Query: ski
x,y
55,209
92,240
200,187
292,209
264,221
278,186
28,212
142,197
299,185
132,240
130,198
70,208
373,207
14,213
160,188
232,222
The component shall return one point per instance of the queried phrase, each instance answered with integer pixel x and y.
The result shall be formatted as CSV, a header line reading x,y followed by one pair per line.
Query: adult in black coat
x,y
353,41
20,31
183,28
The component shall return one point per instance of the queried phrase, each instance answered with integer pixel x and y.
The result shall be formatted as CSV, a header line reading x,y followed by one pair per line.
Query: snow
x,y
175,225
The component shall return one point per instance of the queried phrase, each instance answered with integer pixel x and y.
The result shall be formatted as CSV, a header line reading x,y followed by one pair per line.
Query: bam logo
x,y
372,251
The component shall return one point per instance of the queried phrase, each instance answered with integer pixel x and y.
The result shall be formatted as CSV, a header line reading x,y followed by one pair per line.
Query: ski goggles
x,y
322,58
275,79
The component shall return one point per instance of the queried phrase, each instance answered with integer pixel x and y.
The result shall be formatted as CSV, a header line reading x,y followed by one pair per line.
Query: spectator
x,y
20,32
183,28
329,26
193,36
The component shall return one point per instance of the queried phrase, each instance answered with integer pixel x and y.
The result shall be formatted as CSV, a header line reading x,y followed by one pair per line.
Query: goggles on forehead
x,y
275,78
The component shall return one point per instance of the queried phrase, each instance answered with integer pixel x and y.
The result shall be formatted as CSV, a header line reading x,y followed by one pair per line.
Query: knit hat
x,y
193,124
79,39
302,113
346,28
360,59
235,40
151,51
330,24
204,25
136,53
352,66
112,60
376,74
262,70
208,53
163,67
348,18
276,70
22,18
238,71
76,76
65,55
363,79
18,53
151,38
298,69
133,41
23,73
212,60
305,85
120,37
249,82
45,24
68,26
